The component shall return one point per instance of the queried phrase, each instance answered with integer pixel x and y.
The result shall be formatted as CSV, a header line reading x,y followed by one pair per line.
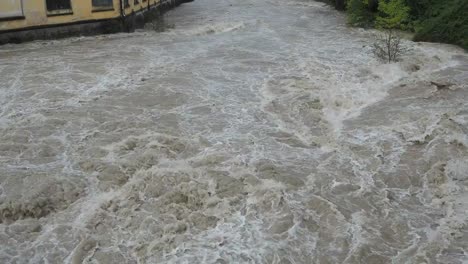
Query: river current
x,y
250,131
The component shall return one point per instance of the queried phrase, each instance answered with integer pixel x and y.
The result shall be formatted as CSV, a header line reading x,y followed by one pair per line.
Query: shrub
x,y
387,46
446,22
393,14
359,13
431,20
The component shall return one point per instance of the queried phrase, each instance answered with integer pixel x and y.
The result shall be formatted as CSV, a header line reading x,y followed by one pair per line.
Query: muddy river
x,y
249,131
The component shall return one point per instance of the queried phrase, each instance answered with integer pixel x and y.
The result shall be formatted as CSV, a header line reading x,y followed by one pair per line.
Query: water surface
x,y
251,131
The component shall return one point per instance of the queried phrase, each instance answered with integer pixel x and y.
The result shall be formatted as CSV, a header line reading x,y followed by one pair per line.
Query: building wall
x,y
21,14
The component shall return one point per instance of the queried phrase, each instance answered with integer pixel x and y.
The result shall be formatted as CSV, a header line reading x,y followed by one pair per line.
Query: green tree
x,y
393,14
359,13
445,21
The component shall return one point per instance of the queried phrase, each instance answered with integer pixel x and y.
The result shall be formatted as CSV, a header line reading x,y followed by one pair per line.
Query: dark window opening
x,y
53,5
136,2
103,3
126,3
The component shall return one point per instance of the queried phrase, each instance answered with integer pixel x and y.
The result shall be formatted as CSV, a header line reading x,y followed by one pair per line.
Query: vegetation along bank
x,y
429,20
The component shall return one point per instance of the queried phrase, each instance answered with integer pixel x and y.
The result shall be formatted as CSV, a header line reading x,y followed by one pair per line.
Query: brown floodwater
x,y
251,131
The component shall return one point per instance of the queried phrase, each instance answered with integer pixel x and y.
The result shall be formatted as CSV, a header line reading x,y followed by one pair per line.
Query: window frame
x,y
17,16
102,8
59,12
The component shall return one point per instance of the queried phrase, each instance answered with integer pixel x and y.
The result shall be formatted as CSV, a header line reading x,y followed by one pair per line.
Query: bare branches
x,y
387,46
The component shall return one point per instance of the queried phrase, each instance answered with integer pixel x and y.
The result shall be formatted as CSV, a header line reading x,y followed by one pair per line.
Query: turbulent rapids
x,y
251,131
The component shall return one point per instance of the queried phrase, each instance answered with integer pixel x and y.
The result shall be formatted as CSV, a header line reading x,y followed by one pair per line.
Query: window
x,y
102,5
58,7
136,2
126,3
11,10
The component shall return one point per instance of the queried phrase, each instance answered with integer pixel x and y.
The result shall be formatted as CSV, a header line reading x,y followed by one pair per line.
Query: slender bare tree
x,y
387,46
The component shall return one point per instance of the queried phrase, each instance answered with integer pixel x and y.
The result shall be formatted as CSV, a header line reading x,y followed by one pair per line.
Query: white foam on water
x,y
249,132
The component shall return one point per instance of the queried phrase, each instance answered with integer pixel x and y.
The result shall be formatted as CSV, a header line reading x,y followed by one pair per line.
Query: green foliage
x,y
447,22
418,8
392,14
431,20
359,13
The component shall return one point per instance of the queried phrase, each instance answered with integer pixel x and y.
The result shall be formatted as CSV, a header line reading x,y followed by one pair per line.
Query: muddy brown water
x,y
251,131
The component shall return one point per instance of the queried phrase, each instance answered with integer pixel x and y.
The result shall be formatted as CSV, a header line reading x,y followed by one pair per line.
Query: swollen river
x,y
250,131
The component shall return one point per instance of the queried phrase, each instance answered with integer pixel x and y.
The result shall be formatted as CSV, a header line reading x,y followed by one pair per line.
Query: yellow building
x,y
22,20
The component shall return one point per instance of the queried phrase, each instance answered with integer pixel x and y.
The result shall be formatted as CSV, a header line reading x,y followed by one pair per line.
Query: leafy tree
x,y
431,20
359,13
418,8
444,22
392,14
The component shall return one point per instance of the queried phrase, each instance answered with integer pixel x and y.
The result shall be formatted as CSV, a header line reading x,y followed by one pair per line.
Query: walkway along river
x,y
252,131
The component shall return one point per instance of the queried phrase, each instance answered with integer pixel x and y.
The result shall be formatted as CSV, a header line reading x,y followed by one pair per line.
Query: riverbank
x,y
430,21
